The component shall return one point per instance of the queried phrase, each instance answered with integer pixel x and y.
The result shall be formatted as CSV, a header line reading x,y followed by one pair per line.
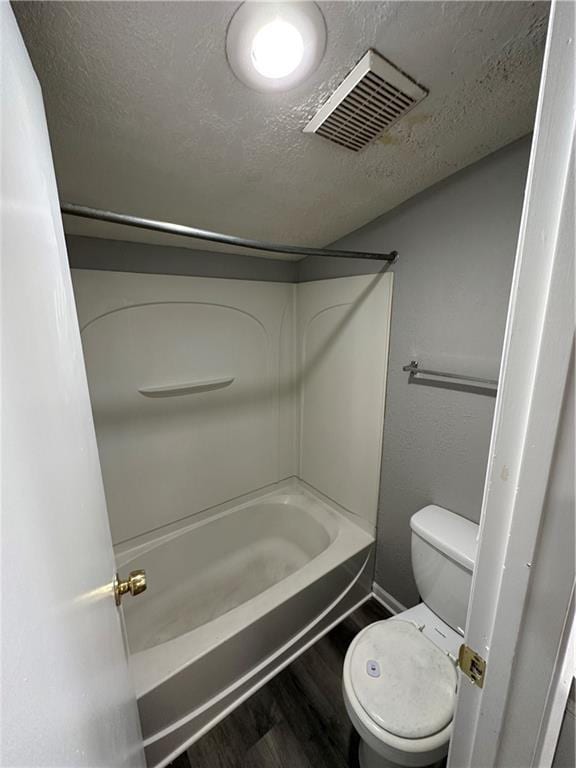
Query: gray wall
x,y
457,245
120,256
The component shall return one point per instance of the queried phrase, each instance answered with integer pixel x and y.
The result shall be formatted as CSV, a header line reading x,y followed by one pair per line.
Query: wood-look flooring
x,y
298,719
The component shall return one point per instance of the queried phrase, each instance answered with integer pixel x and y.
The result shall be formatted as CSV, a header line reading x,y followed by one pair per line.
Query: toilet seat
x,y
402,680
384,728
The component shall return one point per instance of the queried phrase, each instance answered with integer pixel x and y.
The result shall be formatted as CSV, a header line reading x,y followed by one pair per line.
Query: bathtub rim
x,y
125,551
289,497
189,554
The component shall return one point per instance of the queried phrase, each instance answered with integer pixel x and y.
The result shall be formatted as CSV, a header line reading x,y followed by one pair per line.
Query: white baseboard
x,y
386,599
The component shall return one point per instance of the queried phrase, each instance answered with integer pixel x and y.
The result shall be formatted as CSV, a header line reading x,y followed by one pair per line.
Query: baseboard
x,y
386,599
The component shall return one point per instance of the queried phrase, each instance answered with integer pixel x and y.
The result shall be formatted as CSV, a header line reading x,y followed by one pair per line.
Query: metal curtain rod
x,y
415,369
85,212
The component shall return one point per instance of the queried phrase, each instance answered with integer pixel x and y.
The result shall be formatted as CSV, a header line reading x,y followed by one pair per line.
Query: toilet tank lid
x,y
452,534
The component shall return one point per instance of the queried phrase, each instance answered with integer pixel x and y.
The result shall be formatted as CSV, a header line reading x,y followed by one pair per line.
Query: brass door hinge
x,y
472,664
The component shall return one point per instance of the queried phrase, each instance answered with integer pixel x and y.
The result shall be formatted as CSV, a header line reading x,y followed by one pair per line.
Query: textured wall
x,y
457,245
120,256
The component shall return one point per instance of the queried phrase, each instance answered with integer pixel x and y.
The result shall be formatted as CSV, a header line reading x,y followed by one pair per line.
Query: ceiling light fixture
x,y
275,46
277,49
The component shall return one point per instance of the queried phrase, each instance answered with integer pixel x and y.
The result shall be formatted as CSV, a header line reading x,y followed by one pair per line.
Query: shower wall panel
x,y
343,332
191,384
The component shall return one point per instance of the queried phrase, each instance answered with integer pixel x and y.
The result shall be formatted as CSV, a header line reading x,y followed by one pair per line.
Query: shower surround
x,y
239,426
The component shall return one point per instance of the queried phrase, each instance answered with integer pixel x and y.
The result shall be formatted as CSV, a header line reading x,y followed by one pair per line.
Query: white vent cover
x,y
367,102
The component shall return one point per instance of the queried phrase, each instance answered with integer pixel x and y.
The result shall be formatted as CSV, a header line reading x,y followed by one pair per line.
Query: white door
x,y
66,693
520,610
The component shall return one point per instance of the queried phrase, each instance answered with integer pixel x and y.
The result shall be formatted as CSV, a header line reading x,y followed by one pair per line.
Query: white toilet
x,y
400,674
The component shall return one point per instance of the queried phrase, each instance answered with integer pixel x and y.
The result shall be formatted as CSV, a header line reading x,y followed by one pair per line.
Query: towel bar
x,y
414,369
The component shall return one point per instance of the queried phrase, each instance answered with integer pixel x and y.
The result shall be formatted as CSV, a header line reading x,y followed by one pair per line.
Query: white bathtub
x,y
230,601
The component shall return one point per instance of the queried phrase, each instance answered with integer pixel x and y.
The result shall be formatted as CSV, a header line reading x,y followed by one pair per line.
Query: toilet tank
x,y
443,556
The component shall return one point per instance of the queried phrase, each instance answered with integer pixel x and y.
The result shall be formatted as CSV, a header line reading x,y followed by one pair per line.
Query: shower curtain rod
x,y
85,212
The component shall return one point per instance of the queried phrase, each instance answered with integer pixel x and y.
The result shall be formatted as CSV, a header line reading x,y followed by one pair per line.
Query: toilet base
x,y
368,758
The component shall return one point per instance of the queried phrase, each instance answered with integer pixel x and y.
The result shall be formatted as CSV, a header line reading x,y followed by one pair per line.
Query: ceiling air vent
x,y
369,100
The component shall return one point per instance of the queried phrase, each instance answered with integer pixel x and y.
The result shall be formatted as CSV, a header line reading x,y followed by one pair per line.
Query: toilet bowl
x,y
399,689
400,675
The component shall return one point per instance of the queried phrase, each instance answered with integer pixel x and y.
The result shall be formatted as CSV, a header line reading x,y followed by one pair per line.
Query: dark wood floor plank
x,y
182,761
298,719
322,688
215,750
307,720
228,742
370,612
279,748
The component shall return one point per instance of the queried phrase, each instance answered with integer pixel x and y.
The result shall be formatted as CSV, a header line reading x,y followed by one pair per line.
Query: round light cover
x,y
277,49
275,46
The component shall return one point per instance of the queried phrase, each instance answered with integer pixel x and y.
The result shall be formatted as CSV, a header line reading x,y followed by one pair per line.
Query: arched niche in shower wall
x,y
185,384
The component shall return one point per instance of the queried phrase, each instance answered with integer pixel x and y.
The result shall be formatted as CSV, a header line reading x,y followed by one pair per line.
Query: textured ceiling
x,y
146,117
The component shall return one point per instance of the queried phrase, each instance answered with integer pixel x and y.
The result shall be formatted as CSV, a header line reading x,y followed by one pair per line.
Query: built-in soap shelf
x,y
187,387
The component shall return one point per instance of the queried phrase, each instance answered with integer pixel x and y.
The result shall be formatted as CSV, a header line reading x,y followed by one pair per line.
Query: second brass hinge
x,y
472,664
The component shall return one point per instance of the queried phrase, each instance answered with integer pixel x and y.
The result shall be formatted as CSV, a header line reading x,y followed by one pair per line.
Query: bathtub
x,y
231,600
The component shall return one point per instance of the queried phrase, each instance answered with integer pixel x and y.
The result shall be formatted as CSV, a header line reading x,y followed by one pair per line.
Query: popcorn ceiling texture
x,y
146,116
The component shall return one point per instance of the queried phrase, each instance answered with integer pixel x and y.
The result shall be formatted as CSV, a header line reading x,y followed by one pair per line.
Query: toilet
x,y
400,675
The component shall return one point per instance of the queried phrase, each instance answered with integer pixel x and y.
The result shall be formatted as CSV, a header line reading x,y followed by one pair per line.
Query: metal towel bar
x,y
414,369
